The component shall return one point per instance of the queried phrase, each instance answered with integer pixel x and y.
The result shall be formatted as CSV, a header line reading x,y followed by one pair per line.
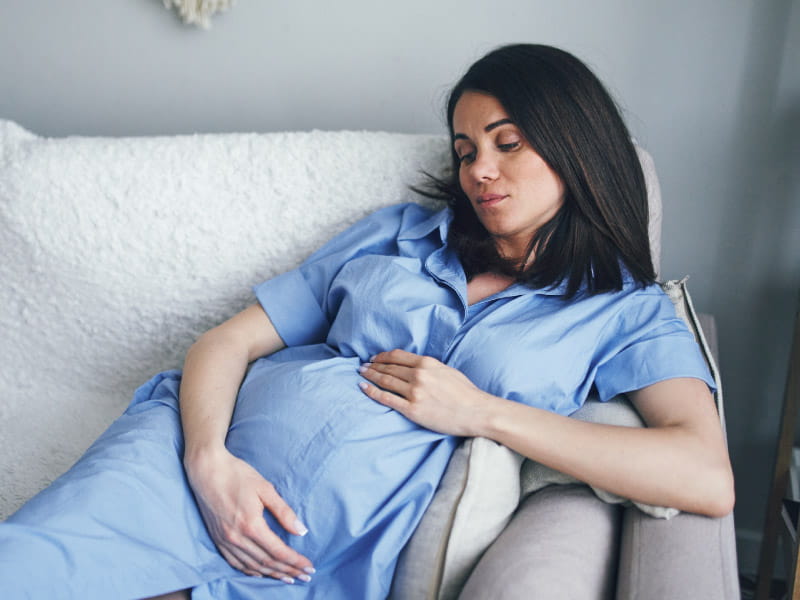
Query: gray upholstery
x,y
563,543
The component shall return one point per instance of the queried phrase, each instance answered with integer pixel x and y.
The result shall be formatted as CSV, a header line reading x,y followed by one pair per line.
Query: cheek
x,y
549,184
555,189
466,187
558,186
462,180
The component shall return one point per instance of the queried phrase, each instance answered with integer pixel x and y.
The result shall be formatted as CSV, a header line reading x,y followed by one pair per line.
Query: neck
x,y
515,251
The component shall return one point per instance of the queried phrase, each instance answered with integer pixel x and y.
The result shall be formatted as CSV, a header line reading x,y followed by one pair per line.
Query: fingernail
x,y
300,528
305,578
364,367
287,579
309,570
363,385
373,357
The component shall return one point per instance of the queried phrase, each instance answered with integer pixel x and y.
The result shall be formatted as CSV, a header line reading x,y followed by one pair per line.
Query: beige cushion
x,y
484,482
475,500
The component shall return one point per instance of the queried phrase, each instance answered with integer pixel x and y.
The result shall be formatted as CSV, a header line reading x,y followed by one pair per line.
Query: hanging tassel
x,y
198,12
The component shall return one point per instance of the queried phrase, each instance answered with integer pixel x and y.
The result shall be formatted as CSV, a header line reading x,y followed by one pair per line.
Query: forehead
x,y
474,111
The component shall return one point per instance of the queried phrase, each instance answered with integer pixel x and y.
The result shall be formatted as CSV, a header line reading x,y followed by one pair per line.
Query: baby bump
x,y
369,493
290,415
351,468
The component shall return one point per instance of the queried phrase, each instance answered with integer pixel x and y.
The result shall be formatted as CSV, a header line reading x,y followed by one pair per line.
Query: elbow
x,y
719,506
215,343
215,337
722,504
718,494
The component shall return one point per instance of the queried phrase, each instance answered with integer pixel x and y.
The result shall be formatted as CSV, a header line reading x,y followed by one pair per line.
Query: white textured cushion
x,y
118,252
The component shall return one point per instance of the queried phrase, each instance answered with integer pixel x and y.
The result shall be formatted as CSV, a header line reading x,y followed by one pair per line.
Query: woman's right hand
x,y
232,497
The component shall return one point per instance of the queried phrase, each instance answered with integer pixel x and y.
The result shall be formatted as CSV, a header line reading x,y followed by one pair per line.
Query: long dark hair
x,y
567,116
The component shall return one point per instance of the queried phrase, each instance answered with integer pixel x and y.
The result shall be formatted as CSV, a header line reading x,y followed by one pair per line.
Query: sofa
x,y
119,252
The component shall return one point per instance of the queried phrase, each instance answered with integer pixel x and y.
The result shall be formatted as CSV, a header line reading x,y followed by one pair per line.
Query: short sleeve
x,y
296,301
647,343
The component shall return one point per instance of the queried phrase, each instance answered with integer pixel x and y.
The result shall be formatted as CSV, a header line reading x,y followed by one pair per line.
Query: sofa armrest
x,y
709,326
689,556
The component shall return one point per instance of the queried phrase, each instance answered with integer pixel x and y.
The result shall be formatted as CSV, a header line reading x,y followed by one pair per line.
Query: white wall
x,y
710,87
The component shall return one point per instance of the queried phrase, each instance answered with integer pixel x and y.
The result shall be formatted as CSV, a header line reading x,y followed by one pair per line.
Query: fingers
x,y
396,377
384,397
274,557
424,390
273,502
249,565
400,372
261,552
399,357
391,385
389,377
254,549
232,500
298,565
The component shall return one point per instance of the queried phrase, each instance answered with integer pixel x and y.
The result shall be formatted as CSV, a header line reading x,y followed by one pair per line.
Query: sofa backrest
x,y
119,252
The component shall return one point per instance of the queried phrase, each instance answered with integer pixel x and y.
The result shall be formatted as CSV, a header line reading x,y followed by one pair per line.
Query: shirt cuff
x,y
644,364
293,309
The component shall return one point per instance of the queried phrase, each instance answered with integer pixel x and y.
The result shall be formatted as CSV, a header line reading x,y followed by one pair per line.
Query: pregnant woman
x,y
295,453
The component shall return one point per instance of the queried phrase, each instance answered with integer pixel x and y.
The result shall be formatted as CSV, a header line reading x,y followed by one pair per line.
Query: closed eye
x,y
467,157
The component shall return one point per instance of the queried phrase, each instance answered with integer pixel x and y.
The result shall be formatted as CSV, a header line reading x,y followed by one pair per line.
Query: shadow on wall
x,y
755,306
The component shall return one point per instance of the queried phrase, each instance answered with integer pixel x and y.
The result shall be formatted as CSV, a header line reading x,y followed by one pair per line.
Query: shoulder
x,y
645,310
404,211
632,294
379,232
650,296
632,310
402,217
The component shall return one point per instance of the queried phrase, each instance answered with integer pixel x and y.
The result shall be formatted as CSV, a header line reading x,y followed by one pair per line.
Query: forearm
x,y
668,465
231,494
680,460
213,371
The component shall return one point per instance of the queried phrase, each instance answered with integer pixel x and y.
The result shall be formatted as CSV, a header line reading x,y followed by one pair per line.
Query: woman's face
x,y
512,189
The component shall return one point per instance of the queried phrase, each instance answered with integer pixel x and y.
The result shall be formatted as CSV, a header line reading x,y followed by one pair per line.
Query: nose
x,y
484,167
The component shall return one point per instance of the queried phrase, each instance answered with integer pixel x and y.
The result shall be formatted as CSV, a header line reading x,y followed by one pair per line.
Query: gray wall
x,y
710,87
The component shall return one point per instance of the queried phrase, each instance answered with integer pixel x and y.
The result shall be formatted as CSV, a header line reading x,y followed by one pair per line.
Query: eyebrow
x,y
487,129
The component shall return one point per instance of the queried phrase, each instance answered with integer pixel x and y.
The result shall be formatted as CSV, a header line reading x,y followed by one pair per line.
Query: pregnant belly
x,y
337,457
283,406
290,416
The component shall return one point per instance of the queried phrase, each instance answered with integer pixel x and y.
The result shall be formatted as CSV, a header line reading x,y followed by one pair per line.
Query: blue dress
x,y
122,523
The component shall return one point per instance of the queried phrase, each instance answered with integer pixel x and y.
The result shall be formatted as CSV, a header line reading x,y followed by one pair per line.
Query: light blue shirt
x,y
390,281
123,521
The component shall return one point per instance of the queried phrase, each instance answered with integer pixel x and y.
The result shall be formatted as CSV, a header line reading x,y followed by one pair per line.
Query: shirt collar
x,y
439,220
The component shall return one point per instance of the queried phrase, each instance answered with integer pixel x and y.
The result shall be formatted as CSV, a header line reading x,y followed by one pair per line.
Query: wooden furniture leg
x,y
780,479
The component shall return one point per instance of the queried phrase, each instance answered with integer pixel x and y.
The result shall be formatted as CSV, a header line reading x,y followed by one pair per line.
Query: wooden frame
x,y
775,523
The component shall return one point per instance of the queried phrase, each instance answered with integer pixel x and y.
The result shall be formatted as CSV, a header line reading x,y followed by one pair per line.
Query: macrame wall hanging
x,y
198,12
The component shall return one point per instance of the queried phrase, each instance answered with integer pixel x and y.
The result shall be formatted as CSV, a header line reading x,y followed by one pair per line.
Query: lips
x,y
489,199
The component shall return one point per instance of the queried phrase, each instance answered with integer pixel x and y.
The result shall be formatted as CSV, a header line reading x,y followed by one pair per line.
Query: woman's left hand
x,y
426,391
